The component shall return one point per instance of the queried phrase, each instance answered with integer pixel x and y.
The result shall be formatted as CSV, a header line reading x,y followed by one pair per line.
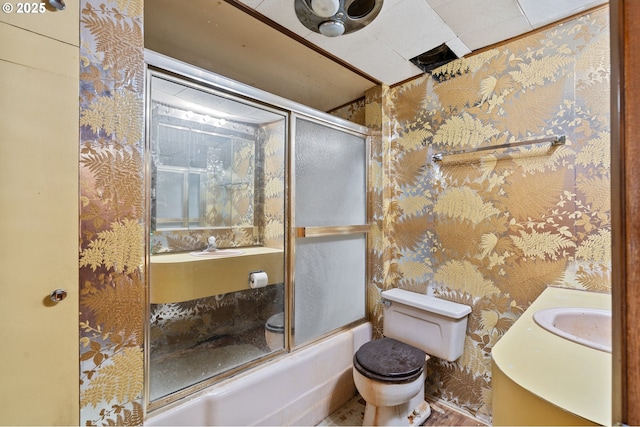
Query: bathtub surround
x,y
493,231
267,395
185,337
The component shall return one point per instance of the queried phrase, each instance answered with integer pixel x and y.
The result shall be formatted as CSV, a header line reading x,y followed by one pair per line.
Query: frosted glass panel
x,y
329,284
330,190
330,176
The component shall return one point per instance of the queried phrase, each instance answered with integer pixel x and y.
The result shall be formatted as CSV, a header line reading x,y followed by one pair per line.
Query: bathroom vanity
x,y
184,276
541,378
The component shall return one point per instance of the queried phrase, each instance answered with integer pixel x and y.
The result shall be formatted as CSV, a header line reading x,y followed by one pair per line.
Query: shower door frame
x,y
291,110
302,232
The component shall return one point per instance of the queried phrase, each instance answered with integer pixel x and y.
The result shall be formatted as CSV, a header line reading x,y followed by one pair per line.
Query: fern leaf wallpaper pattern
x,y
491,231
112,236
494,230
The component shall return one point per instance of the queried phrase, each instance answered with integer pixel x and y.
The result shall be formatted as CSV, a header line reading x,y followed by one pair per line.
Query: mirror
x,y
204,174
205,160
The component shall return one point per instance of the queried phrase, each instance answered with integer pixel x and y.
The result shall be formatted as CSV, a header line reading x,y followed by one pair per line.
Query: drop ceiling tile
x,y
362,50
543,12
483,37
383,63
396,70
410,27
251,3
438,3
464,16
388,4
343,45
283,12
458,47
484,22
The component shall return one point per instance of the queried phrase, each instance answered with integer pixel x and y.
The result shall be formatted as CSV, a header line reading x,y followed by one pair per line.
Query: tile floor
x,y
352,413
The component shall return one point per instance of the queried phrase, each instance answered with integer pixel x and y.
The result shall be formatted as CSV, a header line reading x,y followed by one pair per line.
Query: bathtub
x,y
301,388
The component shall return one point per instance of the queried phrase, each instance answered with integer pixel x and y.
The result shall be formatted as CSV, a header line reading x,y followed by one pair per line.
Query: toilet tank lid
x,y
428,303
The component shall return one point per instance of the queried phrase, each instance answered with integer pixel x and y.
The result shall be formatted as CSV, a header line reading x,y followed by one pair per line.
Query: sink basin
x,y
587,326
219,253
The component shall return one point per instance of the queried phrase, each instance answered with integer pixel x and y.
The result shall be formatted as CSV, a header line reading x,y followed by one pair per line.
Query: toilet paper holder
x,y
257,279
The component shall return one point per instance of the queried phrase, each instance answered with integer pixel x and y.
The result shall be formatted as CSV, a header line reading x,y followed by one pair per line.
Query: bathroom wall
x,y
492,234
493,230
112,216
112,213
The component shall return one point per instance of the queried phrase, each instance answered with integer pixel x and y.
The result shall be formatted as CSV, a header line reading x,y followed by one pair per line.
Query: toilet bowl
x,y
274,332
390,377
389,373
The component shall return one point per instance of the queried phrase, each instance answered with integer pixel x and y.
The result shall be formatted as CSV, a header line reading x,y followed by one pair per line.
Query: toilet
x,y
389,373
274,332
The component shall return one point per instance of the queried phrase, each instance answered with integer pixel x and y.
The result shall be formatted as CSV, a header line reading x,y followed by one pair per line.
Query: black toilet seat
x,y
389,360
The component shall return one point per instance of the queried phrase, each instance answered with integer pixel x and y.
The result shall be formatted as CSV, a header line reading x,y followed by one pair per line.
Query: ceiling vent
x,y
434,58
336,17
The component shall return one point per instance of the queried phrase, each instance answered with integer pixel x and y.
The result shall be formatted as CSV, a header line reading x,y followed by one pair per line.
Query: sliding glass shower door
x,y
241,185
330,189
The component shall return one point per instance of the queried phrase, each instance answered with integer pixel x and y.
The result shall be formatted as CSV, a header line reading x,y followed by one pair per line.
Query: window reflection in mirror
x,y
207,166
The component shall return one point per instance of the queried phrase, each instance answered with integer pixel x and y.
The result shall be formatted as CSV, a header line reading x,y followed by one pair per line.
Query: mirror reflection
x,y
204,172
205,149
217,167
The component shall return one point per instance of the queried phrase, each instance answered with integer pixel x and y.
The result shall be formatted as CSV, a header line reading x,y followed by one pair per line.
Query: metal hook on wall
x,y
58,4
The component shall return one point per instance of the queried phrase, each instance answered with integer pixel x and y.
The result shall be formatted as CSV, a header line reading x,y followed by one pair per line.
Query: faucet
x,y
213,245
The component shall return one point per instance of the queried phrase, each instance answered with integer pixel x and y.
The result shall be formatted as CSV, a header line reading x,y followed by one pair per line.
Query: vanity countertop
x,y
178,277
569,375
168,258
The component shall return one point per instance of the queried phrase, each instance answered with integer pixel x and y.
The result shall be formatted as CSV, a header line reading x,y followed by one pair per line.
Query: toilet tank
x,y
432,324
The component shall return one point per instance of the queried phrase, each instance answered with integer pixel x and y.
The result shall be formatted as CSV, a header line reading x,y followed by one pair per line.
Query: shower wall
x,y
494,231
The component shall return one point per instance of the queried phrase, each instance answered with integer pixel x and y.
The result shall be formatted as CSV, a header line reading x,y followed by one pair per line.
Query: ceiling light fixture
x,y
331,28
325,8
333,18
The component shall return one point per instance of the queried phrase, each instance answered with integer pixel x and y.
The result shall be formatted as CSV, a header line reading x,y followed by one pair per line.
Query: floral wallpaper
x,y
112,228
271,169
493,230
113,306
